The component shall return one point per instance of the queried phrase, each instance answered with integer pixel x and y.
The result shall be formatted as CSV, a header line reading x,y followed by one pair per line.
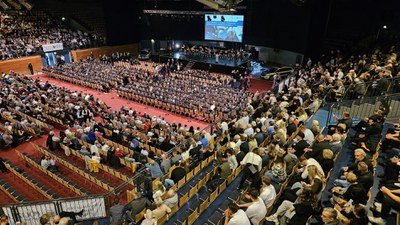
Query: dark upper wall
x,y
273,23
122,21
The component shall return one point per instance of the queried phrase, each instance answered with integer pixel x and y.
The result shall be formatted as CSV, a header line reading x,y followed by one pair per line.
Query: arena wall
x,y
108,50
20,65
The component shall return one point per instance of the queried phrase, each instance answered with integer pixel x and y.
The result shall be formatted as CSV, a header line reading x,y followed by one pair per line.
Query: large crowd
x,y
24,32
211,52
286,165
197,91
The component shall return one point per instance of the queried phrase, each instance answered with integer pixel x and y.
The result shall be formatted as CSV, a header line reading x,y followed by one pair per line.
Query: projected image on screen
x,y
223,27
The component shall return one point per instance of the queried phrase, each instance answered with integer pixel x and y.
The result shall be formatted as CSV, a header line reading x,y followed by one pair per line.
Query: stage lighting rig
x,y
221,5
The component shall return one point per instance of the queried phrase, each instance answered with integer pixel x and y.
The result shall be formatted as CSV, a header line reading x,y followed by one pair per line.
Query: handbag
x,y
252,168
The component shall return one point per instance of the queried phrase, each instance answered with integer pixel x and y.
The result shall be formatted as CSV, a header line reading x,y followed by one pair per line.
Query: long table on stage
x,y
223,65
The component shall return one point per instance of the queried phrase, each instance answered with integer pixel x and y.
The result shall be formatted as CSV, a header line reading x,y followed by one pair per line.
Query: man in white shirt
x,y
268,193
252,163
235,216
308,134
256,209
94,149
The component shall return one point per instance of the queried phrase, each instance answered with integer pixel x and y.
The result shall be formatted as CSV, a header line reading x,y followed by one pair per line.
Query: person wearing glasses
x,y
329,217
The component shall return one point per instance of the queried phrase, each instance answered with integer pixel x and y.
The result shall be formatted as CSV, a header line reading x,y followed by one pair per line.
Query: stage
x,y
223,65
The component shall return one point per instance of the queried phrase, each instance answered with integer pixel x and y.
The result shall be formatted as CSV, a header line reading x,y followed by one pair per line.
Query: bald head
x,y
56,219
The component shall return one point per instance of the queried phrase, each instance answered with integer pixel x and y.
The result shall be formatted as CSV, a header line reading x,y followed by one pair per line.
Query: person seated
x,y
154,168
84,151
235,216
268,192
297,212
159,190
134,207
256,208
326,162
358,215
160,210
354,192
171,198
278,170
176,175
299,146
388,199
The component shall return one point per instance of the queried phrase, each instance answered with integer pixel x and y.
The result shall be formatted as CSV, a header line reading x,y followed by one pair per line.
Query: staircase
x,y
189,65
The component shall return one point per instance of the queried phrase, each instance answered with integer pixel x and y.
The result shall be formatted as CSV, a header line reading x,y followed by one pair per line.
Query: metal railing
x,y
371,89
365,107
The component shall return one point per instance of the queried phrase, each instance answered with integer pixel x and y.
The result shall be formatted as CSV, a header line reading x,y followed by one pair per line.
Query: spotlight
x,y
152,40
63,18
384,26
177,45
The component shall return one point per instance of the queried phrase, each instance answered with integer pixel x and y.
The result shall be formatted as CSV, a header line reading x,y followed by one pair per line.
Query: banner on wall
x,y
53,47
32,213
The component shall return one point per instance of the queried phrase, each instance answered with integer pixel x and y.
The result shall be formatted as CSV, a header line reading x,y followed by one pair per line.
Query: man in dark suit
x,y
317,148
300,145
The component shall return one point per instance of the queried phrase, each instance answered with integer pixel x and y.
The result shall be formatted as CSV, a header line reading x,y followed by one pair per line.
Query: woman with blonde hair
x,y
315,128
161,209
316,179
302,115
159,190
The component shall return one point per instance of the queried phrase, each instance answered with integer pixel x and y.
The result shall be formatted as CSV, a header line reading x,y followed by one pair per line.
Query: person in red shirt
x,y
119,153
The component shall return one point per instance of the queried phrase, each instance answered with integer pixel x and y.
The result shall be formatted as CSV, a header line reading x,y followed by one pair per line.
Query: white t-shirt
x,y
256,211
268,195
308,136
253,159
239,218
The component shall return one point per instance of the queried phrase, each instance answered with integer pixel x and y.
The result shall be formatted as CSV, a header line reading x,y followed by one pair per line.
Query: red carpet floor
x,y
115,102
260,85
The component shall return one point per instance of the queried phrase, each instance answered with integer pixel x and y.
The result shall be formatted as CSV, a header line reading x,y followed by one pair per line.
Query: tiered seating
x,y
101,166
41,124
56,176
98,181
32,182
11,192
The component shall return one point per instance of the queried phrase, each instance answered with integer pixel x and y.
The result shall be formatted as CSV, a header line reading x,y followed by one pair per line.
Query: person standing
x,y
30,67
116,212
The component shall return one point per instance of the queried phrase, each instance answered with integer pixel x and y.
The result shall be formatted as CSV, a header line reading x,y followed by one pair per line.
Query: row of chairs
x,y
39,123
27,129
183,195
101,183
11,192
55,176
45,191
53,119
197,113
97,87
206,198
101,166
